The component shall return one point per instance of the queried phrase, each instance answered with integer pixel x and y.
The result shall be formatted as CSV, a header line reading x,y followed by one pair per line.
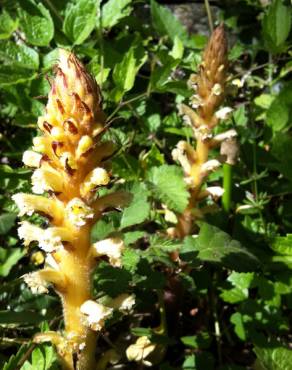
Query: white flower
x,y
217,89
196,101
29,232
230,134
52,238
36,283
223,113
78,212
95,314
140,350
210,166
31,158
112,248
97,177
215,191
57,133
178,155
46,178
24,203
123,302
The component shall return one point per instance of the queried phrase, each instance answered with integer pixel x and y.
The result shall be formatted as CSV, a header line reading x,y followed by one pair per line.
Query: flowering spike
x,y
68,160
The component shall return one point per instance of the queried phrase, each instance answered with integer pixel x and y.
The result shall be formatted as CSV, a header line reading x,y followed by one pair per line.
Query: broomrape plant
x,y
203,116
70,165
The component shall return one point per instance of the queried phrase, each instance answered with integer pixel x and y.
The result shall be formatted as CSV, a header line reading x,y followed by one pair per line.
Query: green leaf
x,y
130,259
237,320
80,20
113,11
124,73
200,341
214,245
7,25
177,49
276,25
18,55
43,357
13,361
12,256
278,115
23,317
166,23
282,245
6,222
36,23
274,358
241,282
139,208
168,186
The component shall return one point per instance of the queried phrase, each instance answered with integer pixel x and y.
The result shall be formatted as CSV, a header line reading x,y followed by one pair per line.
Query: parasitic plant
x,y
70,165
204,116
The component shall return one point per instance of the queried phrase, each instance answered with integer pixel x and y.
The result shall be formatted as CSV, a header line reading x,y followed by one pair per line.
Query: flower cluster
x,y
70,165
203,115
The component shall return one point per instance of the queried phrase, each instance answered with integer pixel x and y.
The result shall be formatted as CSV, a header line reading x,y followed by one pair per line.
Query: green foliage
x,y
167,185
226,289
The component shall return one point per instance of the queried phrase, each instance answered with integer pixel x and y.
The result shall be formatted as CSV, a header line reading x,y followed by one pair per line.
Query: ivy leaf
x,y
36,23
214,245
7,25
80,20
237,320
276,25
139,208
168,186
241,282
113,11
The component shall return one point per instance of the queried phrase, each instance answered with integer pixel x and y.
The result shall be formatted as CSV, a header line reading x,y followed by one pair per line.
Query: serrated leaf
x,y
277,25
130,259
7,25
36,23
113,11
80,20
168,186
43,357
214,245
282,245
13,361
12,256
18,55
274,358
139,208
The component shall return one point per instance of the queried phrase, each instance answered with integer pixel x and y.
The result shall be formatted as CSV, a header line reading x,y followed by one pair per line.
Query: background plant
x,y
228,307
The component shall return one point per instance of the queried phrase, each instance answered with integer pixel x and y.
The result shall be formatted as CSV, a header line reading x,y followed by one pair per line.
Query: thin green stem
x,y
227,186
209,15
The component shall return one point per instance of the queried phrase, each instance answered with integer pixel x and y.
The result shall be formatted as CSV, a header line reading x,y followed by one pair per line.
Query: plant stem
x,y
227,186
209,14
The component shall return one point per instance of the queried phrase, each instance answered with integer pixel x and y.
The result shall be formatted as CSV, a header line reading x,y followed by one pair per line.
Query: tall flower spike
x,y
68,161
209,91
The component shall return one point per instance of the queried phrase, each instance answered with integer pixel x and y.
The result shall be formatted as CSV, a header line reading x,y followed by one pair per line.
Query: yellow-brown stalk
x,y
70,165
209,86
